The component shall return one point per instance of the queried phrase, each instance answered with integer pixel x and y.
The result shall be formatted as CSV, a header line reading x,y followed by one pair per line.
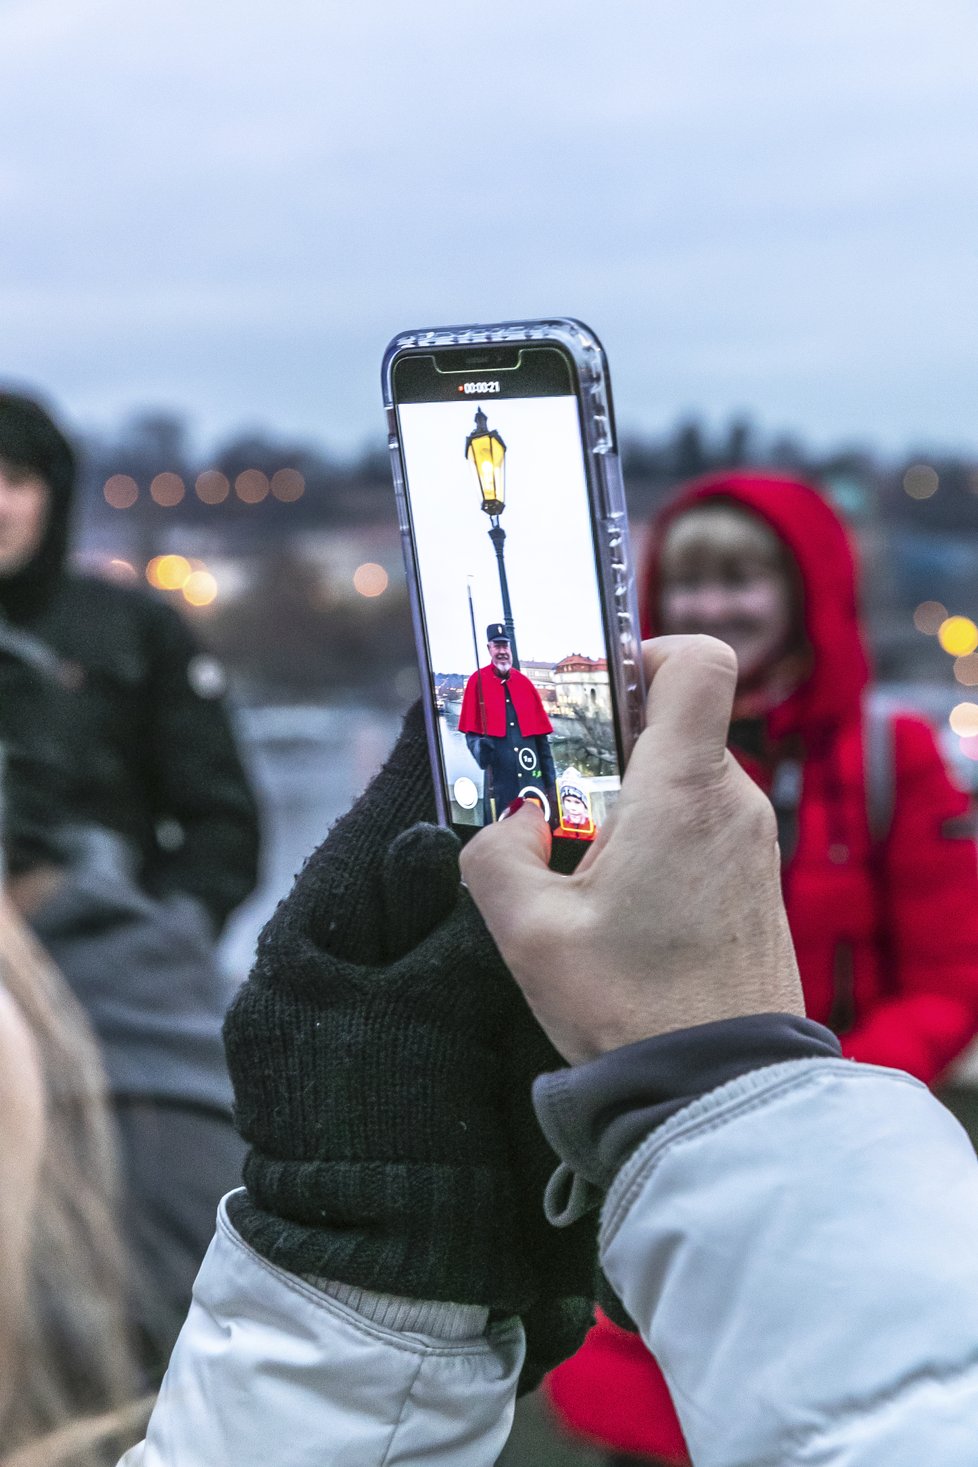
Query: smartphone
x,y
512,517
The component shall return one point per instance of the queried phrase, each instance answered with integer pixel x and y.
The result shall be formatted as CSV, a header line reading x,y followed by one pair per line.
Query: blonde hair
x,y
72,1398
719,530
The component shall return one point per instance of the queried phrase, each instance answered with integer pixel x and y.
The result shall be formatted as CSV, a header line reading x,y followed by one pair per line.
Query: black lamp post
x,y
486,452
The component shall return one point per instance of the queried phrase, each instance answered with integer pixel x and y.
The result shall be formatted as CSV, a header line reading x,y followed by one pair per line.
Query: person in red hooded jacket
x,y
885,924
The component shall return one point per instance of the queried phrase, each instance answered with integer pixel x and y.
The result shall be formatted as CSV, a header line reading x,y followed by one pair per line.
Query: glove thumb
x,y
419,885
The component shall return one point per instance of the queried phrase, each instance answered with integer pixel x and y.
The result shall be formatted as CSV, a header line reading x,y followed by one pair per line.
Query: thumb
x,y
505,865
419,885
692,682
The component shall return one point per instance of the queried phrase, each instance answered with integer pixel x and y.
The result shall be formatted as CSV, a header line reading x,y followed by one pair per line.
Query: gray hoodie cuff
x,y
595,1115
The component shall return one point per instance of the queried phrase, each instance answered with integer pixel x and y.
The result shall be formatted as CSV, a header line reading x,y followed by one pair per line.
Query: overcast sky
x,y
229,209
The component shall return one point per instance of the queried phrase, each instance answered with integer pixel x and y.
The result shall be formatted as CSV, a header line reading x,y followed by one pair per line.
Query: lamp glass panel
x,y
487,455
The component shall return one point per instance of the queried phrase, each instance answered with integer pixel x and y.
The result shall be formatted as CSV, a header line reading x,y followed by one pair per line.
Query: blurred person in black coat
x,y
134,835
151,745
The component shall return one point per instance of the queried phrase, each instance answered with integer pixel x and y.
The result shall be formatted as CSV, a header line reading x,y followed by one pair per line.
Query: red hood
x,y
826,560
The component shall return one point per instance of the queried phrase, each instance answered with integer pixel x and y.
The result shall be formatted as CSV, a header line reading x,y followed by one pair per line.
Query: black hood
x,y
31,441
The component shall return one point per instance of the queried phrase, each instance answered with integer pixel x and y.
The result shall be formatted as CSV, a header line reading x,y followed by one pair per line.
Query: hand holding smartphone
x,y
515,541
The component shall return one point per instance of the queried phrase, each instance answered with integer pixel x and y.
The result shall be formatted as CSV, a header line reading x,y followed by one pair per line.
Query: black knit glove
x,y
382,1059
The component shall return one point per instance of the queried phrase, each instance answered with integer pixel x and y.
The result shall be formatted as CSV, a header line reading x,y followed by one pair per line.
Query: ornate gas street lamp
x,y
486,452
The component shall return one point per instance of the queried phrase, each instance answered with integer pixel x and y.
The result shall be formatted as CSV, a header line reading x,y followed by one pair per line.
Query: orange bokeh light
x,y
964,720
200,588
929,616
288,485
370,579
121,570
251,486
168,572
167,490
212,486
120,491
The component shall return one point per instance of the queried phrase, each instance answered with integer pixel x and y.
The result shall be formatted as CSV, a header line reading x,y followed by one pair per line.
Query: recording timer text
x,y
479,389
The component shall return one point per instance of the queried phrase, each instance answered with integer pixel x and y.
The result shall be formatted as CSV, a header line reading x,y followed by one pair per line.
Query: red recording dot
x,y
461,387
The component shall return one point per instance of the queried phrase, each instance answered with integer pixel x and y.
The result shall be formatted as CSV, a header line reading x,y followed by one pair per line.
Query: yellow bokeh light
x,y
200,588
251,486
167,490
964,720
966,670
168,572
921,481
958,635
120,491
370,579
212,486
288,485
929,616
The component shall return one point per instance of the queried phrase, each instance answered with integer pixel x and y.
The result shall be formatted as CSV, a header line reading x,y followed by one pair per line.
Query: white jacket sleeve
x,y
800,1250
270,1370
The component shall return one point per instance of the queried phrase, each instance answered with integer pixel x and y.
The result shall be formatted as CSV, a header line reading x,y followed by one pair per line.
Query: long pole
x,y
482,704
498,537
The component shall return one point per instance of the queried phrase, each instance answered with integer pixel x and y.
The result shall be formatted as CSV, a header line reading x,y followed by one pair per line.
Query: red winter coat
x,y
484,705
886,937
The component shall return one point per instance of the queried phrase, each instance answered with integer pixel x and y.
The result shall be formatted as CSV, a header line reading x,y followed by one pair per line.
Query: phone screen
x,y
504,545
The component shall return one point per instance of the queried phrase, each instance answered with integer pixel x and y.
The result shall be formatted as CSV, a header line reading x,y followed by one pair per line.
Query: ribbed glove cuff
x,y
418,1241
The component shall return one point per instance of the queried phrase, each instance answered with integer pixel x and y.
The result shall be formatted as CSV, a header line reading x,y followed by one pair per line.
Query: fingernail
x,y
512,807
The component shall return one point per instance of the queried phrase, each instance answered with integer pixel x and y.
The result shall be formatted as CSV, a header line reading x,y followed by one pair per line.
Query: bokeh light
x,y
921,481
122,570
200,588
168,572
969,747
212,487
167,490
964,720
120,491
251,486
288,485
958,635
370,579
929,617
966,670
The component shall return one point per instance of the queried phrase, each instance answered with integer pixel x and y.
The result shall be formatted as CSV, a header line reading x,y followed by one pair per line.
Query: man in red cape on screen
x,y
507,730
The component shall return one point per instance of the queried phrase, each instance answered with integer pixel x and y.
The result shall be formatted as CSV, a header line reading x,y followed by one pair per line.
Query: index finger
x,y
503,865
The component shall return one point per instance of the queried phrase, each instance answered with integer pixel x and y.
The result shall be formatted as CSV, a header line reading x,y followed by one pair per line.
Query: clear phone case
x,y
612,552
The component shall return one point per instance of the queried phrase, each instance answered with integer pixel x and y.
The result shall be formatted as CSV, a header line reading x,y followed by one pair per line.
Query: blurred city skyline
x,y
767,211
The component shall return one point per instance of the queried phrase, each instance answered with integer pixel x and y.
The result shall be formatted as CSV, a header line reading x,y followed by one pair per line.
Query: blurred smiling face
x,y
24,502
501,656
725,573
